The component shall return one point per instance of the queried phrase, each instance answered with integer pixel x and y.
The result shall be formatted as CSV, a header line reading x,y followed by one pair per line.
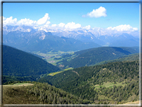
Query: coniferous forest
x,y
111,82
114,82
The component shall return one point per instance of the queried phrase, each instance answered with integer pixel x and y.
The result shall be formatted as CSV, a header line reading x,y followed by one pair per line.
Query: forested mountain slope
x,y
19,63
131,57
115,82
95,55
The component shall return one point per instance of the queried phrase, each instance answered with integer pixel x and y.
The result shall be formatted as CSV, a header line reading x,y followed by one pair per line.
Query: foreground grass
x,y
135,102
39,93
23,84
17,94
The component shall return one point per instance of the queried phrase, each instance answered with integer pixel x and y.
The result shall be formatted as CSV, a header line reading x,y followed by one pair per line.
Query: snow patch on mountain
x,y
42,37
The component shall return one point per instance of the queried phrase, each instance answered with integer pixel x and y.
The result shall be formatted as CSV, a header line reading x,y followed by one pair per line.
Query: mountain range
x,y
41,41
120,39
31,39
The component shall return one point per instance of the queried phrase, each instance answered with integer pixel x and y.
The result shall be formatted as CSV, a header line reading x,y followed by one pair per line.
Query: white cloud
x,y
72,25
87,27
47,24
43,20
135,28
53,25
9,21
122,28
61,25
101,11
27,22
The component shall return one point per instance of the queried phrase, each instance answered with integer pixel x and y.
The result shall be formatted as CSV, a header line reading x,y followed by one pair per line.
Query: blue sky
x,y
115,13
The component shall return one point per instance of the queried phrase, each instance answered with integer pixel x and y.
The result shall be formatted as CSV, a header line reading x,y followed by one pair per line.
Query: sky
x,y
118,16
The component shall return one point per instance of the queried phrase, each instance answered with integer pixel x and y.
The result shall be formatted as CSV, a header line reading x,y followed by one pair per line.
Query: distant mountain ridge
x,y
107,39
130,57
44,42
96,55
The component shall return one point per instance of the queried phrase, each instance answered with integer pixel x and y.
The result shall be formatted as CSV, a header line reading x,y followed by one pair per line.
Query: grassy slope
x,y
110,84
37,93
135,102
22,84
15,94
54,73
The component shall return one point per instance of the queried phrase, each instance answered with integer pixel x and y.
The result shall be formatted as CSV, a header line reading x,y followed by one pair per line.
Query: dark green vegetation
x,y
19,65
115,82
95,55
39,93
131,57
16,79
51,95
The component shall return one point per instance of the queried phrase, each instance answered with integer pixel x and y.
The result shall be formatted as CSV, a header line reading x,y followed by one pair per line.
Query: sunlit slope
x,y
54,73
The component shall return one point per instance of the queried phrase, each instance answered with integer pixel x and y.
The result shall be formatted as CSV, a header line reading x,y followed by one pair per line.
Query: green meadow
x,y
109,84
54,73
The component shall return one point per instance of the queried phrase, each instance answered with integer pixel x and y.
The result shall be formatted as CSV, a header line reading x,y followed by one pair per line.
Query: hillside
x,y
131,57
19,64
95,55
38,93
115,82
